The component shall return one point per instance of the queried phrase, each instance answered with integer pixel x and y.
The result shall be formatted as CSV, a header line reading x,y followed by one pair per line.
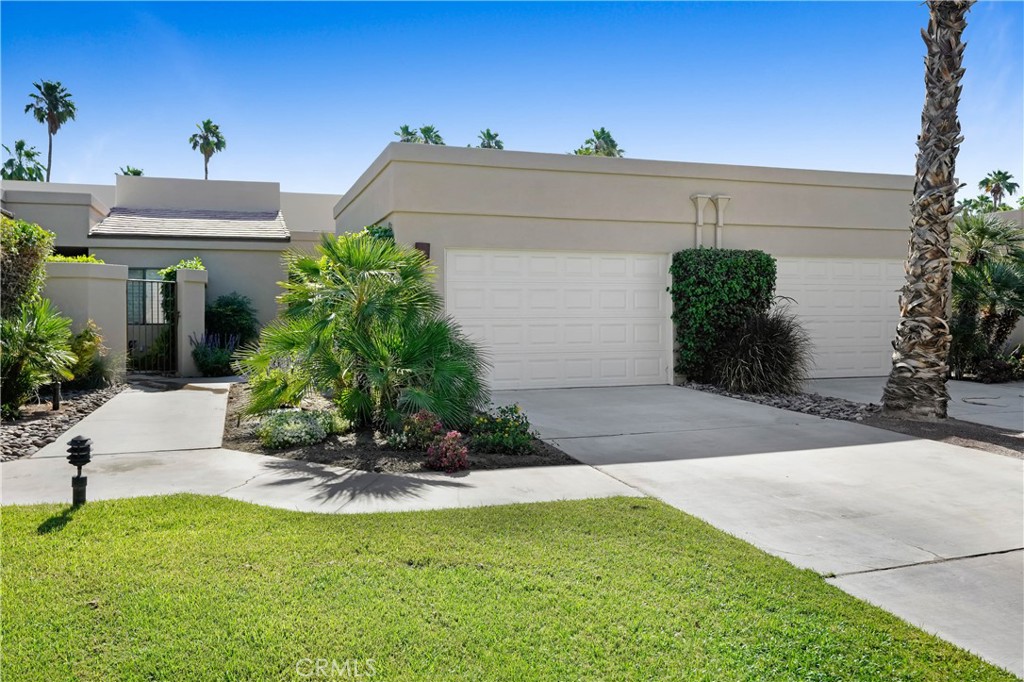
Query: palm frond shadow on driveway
x,y
337,484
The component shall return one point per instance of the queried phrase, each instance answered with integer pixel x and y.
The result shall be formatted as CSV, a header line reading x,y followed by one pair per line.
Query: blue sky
x,y
309,94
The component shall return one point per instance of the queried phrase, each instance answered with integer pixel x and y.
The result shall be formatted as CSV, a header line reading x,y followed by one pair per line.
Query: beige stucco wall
x,y
183,193
88,291
455,197
69,215
304,212
103,193
250,268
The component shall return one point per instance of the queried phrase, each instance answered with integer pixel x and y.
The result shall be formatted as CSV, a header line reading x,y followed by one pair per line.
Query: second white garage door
x,y
850,307
564,319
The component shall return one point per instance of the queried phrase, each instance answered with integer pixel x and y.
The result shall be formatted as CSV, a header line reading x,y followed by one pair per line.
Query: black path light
x,y
79,454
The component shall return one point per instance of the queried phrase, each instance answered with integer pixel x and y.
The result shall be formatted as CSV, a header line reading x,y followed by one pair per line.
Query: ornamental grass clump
x,y
767,353
448,453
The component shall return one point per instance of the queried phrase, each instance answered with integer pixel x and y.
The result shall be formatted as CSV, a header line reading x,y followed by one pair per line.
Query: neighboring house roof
x,y
176,223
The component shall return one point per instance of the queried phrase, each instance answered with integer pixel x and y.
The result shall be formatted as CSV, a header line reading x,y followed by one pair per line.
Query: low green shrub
x,y
291,428
169,274
769,352
94,367
35,349
332,421
505,430
88,258
212,354
448,453
714,291
420,430
24,248
381,232
232,315
995,371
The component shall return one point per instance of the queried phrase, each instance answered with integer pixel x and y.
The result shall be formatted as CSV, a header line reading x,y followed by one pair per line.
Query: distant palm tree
x,y
980,238
53,106
489,140
23,163
916,388
130,170
209,140
407,134
997,183
601,144
430,135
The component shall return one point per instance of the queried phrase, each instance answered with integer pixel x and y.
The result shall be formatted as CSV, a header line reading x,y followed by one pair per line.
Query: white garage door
x,y
850,307
564,319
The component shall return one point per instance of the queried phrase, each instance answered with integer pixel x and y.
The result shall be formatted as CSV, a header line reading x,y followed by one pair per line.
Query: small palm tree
x,y
430,135
601,144
130,170
209,140
51,104
489,140
23,163
916,388
979,238
998,183
407,134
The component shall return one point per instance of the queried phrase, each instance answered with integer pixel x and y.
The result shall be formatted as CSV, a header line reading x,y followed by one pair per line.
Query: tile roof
x,y
176,223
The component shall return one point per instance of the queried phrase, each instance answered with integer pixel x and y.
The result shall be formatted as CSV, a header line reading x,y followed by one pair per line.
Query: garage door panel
x,y
551,319
850,309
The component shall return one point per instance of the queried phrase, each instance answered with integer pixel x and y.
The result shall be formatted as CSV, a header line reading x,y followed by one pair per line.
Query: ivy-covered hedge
x,y
714,291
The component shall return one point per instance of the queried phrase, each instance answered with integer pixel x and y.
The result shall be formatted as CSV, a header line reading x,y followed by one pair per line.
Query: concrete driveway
x,y
998,405
932,532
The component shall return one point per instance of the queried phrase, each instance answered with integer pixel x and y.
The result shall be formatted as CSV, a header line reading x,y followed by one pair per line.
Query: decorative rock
x,y
24,438
825,407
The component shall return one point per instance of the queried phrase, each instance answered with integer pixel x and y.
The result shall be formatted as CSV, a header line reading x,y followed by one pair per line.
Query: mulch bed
x,y
366,450
39,425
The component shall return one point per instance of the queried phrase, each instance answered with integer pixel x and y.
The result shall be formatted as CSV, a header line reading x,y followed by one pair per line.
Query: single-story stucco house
x,y
557,263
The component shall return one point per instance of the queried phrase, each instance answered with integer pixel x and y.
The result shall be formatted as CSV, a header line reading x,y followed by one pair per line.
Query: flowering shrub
x,y
506,430
332,421
448,453
421,429
290,428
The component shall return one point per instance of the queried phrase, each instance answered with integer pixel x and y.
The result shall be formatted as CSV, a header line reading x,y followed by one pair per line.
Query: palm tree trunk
x,y
49,156
206,167
917,383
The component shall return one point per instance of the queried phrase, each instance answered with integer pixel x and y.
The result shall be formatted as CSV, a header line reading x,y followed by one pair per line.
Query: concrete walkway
x,y
998,405
156,442
929,531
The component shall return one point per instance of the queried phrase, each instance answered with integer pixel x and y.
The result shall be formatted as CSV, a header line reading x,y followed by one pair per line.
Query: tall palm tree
x,y
23,163
130,170
998,183
209,140
431,135
407,134
489,140
52,105
601,144
916,388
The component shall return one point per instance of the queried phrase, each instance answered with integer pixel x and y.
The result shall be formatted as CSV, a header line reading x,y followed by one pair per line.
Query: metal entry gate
x,y
152,326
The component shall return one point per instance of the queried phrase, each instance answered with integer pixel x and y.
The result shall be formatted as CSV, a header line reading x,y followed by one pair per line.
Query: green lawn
x,y
187,587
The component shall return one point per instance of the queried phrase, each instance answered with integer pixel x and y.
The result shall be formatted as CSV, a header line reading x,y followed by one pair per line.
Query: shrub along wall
x,y
714,291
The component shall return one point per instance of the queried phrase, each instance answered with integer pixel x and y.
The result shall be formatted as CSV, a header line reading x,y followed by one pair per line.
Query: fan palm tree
x,y
601,144
209,140
995,290
979,238
407,134
23,163
130,170
916,388
51,104
362,321
489,140
998,183
430,135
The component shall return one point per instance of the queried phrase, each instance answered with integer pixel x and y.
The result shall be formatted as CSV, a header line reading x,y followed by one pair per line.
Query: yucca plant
x,y
767,353
363,323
